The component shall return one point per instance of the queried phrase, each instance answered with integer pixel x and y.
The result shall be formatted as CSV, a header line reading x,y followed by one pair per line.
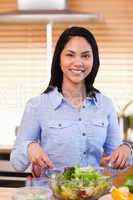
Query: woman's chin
x,y
77,80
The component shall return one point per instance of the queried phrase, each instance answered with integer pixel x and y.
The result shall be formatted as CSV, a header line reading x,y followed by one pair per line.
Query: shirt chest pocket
x,y
99,123
97,127
59,124
59,130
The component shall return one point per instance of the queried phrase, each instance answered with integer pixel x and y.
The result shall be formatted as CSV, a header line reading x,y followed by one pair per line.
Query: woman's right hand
x,y
38,157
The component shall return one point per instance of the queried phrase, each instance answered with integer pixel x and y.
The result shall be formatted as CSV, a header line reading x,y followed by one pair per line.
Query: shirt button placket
x,y
60,125
84,134
79,119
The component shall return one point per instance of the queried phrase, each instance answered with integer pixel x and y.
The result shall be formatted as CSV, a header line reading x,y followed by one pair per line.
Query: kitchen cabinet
x,y
8,176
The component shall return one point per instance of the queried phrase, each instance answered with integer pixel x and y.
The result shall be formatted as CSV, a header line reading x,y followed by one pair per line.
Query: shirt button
x,y
83,107
79,119
84,152
84,134
59,125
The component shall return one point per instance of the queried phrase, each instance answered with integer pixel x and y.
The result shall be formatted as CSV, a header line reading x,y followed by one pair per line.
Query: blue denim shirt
x,y
69,137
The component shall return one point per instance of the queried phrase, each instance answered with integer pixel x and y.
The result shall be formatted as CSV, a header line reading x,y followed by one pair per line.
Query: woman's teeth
x,y
76,71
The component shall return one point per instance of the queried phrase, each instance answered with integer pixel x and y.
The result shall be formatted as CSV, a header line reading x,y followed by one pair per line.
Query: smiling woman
x,y
77,57
71,123
76,63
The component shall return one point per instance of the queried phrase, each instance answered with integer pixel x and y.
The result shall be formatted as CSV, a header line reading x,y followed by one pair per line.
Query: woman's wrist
x,y
128,145
32,143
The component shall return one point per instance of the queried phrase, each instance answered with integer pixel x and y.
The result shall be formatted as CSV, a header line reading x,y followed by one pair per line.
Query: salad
x,y
77,183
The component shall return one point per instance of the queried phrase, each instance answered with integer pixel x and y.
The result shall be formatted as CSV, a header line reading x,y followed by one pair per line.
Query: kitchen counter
x,y
5,152
8,175
5,149
7,193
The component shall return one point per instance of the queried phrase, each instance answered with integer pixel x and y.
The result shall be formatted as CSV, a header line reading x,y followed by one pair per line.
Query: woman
x,y
71,123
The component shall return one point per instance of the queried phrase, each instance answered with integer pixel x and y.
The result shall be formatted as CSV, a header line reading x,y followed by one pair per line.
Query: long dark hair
x,y
56,72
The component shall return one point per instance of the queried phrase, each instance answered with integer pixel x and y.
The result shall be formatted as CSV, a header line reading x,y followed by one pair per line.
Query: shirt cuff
x,y
19,156
129,145
131,149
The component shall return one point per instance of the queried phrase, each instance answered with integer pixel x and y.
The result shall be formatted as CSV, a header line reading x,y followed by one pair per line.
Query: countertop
x,y
5,149
7,193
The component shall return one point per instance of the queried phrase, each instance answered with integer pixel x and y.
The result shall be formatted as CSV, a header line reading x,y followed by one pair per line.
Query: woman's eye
x,y
69,55
86,56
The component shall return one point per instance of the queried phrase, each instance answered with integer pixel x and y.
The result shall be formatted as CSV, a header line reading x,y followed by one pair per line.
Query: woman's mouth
x,y
77,71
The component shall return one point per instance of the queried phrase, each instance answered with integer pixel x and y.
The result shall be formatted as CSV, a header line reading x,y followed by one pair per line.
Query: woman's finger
x,y
48,162
113,158
119,162
123,164
36,170
42,163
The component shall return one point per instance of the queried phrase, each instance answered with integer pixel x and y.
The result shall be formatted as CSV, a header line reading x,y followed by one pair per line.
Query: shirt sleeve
x,y
29,132
114,137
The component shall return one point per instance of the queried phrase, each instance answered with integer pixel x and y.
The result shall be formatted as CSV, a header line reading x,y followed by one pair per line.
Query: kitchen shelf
x,y
48,16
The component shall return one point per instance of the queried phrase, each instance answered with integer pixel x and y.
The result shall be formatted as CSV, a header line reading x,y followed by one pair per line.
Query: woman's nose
x,y
78,62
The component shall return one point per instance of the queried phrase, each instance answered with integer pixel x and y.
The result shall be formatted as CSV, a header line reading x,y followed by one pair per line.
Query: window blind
x,y
23,72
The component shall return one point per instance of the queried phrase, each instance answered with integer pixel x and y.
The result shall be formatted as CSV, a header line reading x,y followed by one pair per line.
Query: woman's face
x,y
76,60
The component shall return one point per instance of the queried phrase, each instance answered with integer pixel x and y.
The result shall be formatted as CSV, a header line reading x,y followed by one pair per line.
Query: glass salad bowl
x,y
77,183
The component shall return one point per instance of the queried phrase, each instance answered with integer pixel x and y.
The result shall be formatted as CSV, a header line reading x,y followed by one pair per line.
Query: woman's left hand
x,y
119,157
36,170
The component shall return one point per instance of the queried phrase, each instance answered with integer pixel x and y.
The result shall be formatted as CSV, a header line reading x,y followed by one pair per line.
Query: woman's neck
x,y
74,94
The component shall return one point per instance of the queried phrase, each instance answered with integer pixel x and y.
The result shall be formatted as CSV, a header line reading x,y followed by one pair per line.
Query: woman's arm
x,y
119,158
27,149
117,153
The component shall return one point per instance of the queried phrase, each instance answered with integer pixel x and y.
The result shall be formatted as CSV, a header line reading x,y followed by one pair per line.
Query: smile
x,y
77,71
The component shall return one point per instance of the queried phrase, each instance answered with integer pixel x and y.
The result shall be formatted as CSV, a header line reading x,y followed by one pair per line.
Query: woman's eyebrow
x,y
71,51
86,52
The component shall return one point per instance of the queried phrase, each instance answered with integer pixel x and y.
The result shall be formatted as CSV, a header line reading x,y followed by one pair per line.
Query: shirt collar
x,y
56,98
93,100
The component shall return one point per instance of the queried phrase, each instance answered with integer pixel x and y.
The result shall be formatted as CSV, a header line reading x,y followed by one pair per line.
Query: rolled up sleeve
x,y
114,136
29,132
